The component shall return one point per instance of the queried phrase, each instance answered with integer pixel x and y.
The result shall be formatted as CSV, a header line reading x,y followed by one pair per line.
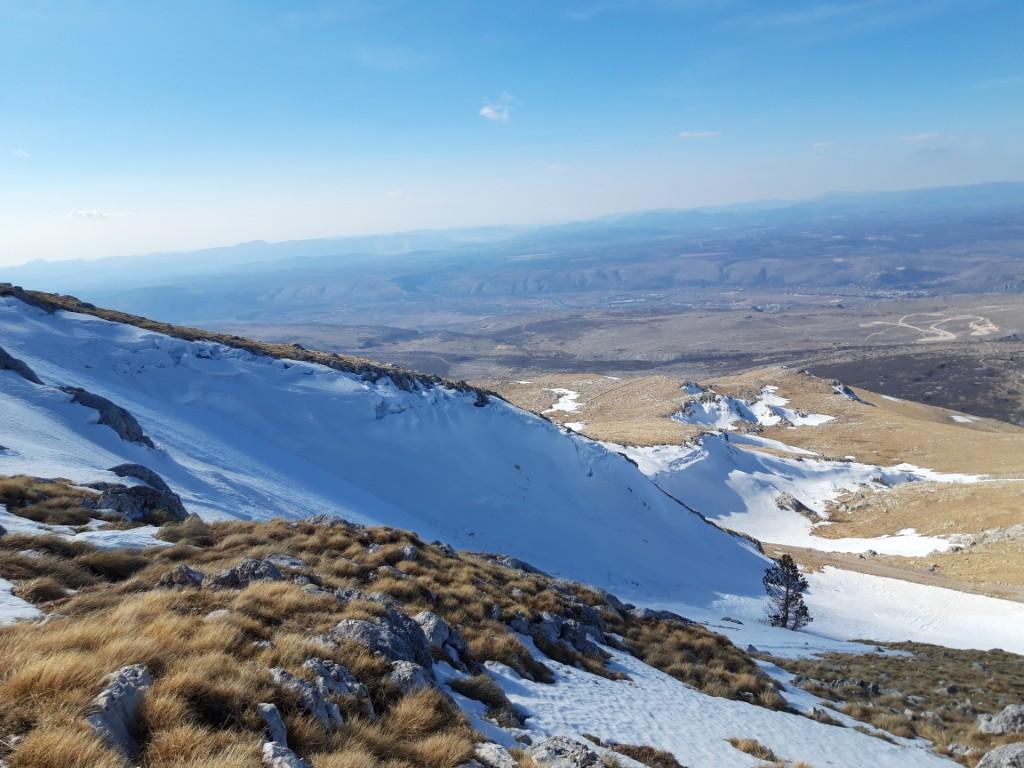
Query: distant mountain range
x,y
931,241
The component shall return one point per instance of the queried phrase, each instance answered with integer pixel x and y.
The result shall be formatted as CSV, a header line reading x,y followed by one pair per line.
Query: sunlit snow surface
x,y
655,709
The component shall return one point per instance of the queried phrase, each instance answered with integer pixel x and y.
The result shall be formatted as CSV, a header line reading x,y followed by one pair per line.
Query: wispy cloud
x,y
920,138
822,146
95,215
390,58
499,111
1000,82
687,135
557,167
844,18
21,154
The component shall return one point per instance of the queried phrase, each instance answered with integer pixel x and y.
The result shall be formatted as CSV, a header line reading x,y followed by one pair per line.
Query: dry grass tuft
x,y
754,748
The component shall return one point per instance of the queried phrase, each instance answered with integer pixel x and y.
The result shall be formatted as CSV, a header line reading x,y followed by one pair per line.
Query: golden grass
x,y
211,671
929,692
754,748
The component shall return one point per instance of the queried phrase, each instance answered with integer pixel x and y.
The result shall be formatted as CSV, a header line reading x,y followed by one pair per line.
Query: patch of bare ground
x,y
210,650
992,571
921,691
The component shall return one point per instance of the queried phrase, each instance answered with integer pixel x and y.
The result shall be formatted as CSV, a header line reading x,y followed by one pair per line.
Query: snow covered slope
x,y
747,490
242,435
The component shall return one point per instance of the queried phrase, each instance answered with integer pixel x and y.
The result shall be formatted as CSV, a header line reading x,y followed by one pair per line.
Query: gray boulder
x,y
246,572
139,503
494,756
394,636
336,679
508,561
143,473
313,698
562,752
1010,720
1008,756
277,755
275,725
289,562
10,363
408,677
114,711
646,614
111,415
555,629
410,552
443,639
182,576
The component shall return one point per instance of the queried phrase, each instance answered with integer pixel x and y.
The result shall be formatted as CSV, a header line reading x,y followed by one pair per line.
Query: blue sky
x,y
135,127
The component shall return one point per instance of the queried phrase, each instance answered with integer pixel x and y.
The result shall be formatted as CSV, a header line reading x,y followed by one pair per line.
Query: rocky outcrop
x,y
336,679
494,756
246,572
153,502
114,711
1010,720
275,725
561,752
646,614
10,363
276,755
313,697
112,415
509,562
181,576
553,629
786,500
394,636
444,641
1008,756
408,677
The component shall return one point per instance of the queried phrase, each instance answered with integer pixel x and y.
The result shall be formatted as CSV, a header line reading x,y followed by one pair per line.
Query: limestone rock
x,y
561,752
313,698
1008,756
111,415
1010,720
246,572
113,712
181,575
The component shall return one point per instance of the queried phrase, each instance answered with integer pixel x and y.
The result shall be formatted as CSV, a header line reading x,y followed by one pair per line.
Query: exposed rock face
x,y
494,756
286,561
443,640
275,725
560,752
555,629
408,677
139,503
10,363
394,636
276,755
181,576
145,474
336,679
114,711
410,552
313,698
510,562
112,415
648,614
1009,756
786,500
1010,720
246,572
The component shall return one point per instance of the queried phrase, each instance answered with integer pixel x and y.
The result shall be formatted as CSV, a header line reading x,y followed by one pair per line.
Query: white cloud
x,y
920,138
21,153
95,215
687,135
499,111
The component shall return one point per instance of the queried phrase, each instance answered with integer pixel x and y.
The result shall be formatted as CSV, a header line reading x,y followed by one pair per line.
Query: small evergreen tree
x,y
785,586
